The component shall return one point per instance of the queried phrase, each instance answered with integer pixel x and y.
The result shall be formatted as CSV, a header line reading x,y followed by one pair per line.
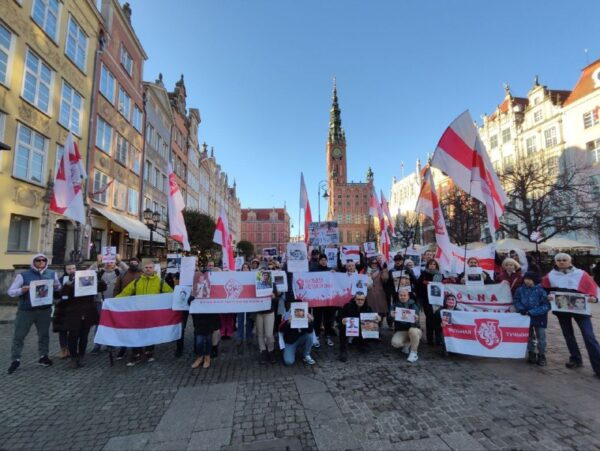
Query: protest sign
x,y
370,249
352,327
404,315
489,298
414,256
227,292
332,254
297,258
350,252
299,319
359,284
264,283
187,268
401,281
435,293
173,262
239,262
269,252
473,276
86,283
369,325
157,269
487,334
40,292
324,289
280,281
109,254
323,233
181,295
569,302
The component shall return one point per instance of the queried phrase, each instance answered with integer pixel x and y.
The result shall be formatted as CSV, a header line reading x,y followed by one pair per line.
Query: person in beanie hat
x,y
531,299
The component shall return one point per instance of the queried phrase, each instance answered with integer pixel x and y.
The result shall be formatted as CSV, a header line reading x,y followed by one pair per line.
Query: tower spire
x,y
336,132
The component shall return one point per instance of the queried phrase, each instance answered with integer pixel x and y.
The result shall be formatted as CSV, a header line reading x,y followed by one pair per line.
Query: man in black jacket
x,y
349,312
323,315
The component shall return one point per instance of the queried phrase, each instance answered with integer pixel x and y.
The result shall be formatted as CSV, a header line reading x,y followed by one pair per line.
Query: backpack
x,y
135,282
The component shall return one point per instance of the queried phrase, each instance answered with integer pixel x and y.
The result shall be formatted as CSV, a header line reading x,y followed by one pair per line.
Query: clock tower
x,y
336,145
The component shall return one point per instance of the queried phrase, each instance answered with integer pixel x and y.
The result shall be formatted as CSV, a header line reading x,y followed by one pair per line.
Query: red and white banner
x,y
136,321
375,207
305,204
577,279
486,334
486,298
325,289
227,292
67,195
223,237
176,205
484,255
386,211
350,252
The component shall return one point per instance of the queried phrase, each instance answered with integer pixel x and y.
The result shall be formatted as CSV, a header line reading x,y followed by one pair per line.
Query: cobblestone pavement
x,y
374,401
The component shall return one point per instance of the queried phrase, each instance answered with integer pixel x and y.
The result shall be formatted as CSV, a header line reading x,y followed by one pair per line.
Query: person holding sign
x,y
431,273
296,338
565,277
443,316
28,314
324,316
376,296
407,335
472,262
352,309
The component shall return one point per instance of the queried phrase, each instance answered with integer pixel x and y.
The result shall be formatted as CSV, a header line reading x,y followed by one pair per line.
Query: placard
x,y
404,315
181,294
157,269
323,233
473,276
435,293
570,302
350,252
370,249
187,269
40,292
352,327
109,254
173,263
297,258
369,325
280,281
401,281
239,262
86,283
359,284
299,318
269,252
332,255
264,283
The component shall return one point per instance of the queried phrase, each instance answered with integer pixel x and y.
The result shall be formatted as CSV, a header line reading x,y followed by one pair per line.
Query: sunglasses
x,y
561,260
40,260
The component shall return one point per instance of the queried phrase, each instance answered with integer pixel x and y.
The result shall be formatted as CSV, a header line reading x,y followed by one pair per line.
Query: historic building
x,y
348,202
179,135
47,55
116,138
266,228
193,174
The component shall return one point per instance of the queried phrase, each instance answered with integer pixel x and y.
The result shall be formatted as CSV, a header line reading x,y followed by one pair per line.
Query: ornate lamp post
x,y
322,186
151,219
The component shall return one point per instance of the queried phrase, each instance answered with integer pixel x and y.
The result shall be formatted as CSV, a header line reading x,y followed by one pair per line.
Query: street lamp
x,y
151,218
322,186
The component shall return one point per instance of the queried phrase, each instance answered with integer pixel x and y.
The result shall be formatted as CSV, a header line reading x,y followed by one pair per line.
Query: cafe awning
x,y
137,229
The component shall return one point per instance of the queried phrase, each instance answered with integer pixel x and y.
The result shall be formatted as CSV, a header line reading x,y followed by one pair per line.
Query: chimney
x,y
127,11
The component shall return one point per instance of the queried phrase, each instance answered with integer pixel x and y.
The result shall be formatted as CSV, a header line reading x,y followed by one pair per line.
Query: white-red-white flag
x,y
386,211
176,205
385,244
67,195
461,154
223,237
375,207
305,204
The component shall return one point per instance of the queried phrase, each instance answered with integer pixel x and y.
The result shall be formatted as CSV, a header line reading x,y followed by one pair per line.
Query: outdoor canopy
x,y
137,229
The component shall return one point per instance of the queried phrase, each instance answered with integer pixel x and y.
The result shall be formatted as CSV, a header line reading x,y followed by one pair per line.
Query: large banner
x,y
485,298
136,321
323,233
326,289
227,292
486,334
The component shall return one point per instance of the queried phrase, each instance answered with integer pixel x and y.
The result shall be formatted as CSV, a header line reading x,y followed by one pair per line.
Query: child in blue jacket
x,y
531,299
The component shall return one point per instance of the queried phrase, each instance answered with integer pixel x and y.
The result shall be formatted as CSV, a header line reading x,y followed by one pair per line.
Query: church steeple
x,y
336,132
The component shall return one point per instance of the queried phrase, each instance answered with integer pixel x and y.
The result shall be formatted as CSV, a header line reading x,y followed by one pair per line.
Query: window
x,y
100,182
149,131
508,162
5,51
104,135
155,206
595,184
530,145
340,218
591,118
594,148
137,118
147,170
550,137
538,116
122,150
132,201
348,218
30,157
134,159
552,165
18,233
349,236
126,60
156,178
107,84
119,195
506,135
124,103
71,104
357,219
76,45
37,82
493,141
147,202
45,14
165,185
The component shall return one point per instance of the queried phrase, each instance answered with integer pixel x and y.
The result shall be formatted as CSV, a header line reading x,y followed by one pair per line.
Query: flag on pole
x,y
461,154
386,211
223,237
175,205
375,207
102,189
67,195
305,204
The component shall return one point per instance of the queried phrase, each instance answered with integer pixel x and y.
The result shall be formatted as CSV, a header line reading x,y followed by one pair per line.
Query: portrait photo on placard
x,y
435,293
264,283
86,283
299,318
352,327
570,303
181,294
369,325
201,289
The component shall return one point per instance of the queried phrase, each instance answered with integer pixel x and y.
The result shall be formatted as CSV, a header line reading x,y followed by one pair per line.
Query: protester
x,y
204,325
314,261
431,273
407,335
399,267
473,262
265,320
520,257
148,283
565,277
28,315
376,296
223,317
295,339
243,321
511,273
531,299
441,322
58,322
357,305
109,274
133,272
324,316
425,258
255,264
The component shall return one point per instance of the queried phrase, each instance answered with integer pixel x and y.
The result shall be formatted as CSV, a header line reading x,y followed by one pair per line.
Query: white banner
x,y
323,233
487,298
325,289
486,334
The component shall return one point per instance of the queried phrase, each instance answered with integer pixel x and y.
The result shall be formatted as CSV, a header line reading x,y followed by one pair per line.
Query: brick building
x,y
266,227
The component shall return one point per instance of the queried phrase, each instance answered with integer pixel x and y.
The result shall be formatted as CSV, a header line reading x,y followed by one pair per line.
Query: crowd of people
x,y
399,285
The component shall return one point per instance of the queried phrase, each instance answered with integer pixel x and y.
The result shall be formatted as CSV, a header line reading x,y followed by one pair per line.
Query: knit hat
x,y
532,275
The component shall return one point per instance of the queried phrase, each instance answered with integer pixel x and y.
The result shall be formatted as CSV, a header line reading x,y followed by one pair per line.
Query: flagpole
x,y
468,217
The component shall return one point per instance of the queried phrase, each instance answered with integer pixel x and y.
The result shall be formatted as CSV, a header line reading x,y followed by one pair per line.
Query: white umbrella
x,y
565,244
506,244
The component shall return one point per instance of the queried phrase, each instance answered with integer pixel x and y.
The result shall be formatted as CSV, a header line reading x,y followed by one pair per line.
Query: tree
x,y
544,198
246,249
408,229
201,229
463,214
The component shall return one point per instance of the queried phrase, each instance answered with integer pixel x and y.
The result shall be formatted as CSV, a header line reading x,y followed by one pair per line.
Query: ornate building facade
x,y
266,228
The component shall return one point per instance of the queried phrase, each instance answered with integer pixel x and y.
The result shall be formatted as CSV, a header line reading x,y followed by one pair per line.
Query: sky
x,y
260,72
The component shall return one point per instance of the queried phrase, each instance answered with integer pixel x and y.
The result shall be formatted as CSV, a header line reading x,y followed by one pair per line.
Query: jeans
x,y
264,331
78,340
23,322
289,352
537,335
587,330
410,337
324,316
203,345
239,333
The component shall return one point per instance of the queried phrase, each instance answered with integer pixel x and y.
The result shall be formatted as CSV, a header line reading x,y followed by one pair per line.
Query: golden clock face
x,y
337,152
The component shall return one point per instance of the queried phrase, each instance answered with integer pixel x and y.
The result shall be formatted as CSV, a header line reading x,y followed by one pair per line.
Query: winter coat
x,y
71,310
401,325
352,310
390,289
110,278
206,323
25,278
515,280
125,279
534,302
146,285
376,296
290,335
421,286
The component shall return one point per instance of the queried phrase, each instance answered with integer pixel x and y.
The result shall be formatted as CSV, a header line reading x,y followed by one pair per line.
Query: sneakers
x,y
572,364
45,361
149,356
406,349
412,357
317,343
329,341
13,366
121,353
541,361
135,359
309,360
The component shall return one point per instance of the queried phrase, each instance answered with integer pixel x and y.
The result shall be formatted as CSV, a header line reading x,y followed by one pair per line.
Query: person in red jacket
x,y
511,273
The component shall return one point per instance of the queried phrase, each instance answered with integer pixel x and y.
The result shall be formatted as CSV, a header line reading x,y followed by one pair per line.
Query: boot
x,y
214,352
541,361
206,362
264,357
63,353
532,358
272,358
197,362
74,364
